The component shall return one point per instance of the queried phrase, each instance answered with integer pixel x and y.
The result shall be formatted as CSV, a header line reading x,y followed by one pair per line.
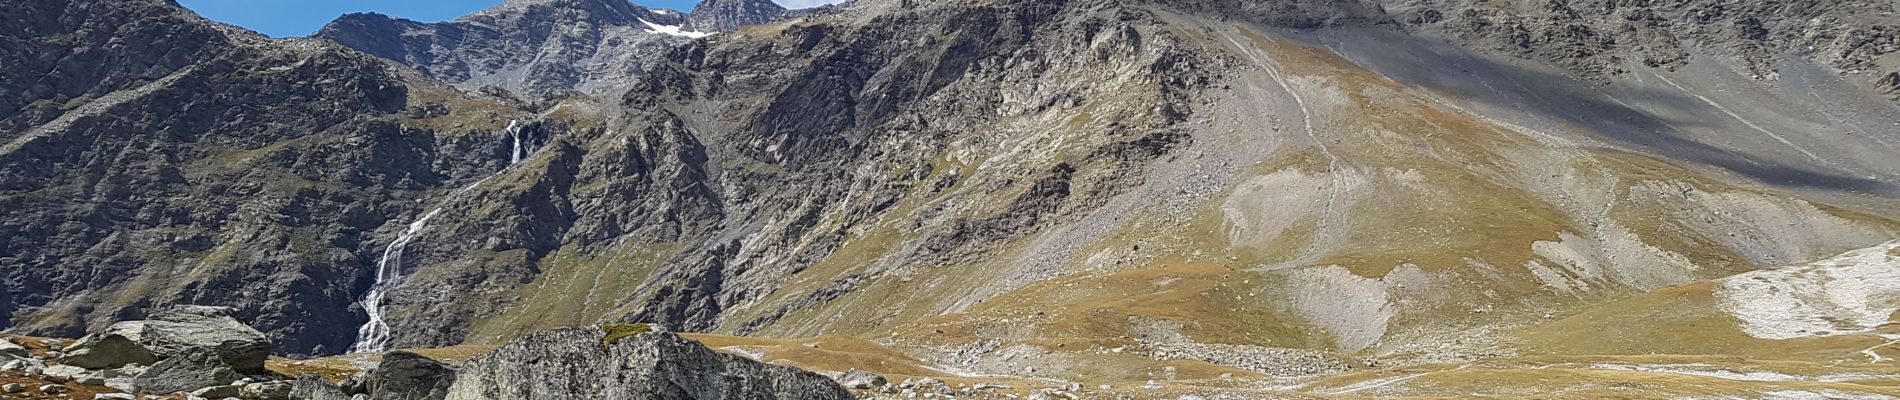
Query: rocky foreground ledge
x,y
198,352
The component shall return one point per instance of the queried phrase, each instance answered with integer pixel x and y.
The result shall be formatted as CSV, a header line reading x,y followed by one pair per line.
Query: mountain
x,y
726,15
152,157
1375,196
541,48
533,48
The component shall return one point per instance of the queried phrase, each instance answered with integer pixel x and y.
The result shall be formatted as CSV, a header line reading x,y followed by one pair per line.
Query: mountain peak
x,y
725,15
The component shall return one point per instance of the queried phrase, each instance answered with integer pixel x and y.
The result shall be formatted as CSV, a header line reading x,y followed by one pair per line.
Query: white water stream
x,y
374,335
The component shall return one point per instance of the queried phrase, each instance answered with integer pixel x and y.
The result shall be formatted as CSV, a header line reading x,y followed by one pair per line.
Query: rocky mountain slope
x,y
152,157
540,48
1094,190
726,15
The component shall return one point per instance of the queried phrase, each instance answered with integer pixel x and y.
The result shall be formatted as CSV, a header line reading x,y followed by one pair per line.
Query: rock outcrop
x,y
653,365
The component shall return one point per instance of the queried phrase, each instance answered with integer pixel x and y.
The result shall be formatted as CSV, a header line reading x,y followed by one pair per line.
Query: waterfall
x,y
374,335
514,131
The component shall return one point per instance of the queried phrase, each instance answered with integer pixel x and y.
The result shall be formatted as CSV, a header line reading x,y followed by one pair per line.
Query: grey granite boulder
x,y
404,375
110,349
312,387
172,332
860,379
9,348
581,363
187,372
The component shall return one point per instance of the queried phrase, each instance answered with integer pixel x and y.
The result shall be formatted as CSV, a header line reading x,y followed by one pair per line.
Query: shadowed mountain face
x,y
1249,188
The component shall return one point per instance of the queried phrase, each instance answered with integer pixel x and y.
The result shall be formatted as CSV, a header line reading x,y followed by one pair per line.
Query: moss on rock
x,y
615,332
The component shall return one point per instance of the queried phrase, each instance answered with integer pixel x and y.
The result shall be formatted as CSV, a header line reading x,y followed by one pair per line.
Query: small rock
x,y
8,347
52,389
123,384
13,388
312,387
64,371
275,390
114,396
859,379
219,392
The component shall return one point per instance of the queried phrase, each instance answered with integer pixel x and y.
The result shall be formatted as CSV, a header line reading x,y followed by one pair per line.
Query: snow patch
x,y
1849,294
674,30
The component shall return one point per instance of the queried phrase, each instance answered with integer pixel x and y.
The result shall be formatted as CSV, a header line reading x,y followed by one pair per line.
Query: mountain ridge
x,y
1013,188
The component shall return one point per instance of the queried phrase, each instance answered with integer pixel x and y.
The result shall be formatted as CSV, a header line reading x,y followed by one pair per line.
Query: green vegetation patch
x,y
615,332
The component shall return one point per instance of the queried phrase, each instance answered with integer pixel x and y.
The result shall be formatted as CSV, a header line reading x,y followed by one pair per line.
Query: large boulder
x,y
187,372
312,387
109,349
172,332
586,363
408,376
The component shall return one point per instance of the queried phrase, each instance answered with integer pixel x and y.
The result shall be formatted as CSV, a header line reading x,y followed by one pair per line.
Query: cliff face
x,y
971,181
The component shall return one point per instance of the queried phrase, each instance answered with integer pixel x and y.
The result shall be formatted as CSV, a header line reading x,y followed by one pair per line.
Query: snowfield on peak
x,y
674,30
1852,293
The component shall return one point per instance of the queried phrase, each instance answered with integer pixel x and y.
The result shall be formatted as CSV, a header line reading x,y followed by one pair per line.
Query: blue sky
x,y
288,18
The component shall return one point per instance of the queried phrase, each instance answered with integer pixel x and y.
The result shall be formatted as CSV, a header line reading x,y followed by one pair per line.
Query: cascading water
x,y
374,335
514,131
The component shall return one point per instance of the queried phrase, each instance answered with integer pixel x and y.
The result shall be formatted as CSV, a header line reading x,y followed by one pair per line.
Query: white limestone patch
x,y
1265,207
1849,294
1553,279
1710,371
1354,310
1617,256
